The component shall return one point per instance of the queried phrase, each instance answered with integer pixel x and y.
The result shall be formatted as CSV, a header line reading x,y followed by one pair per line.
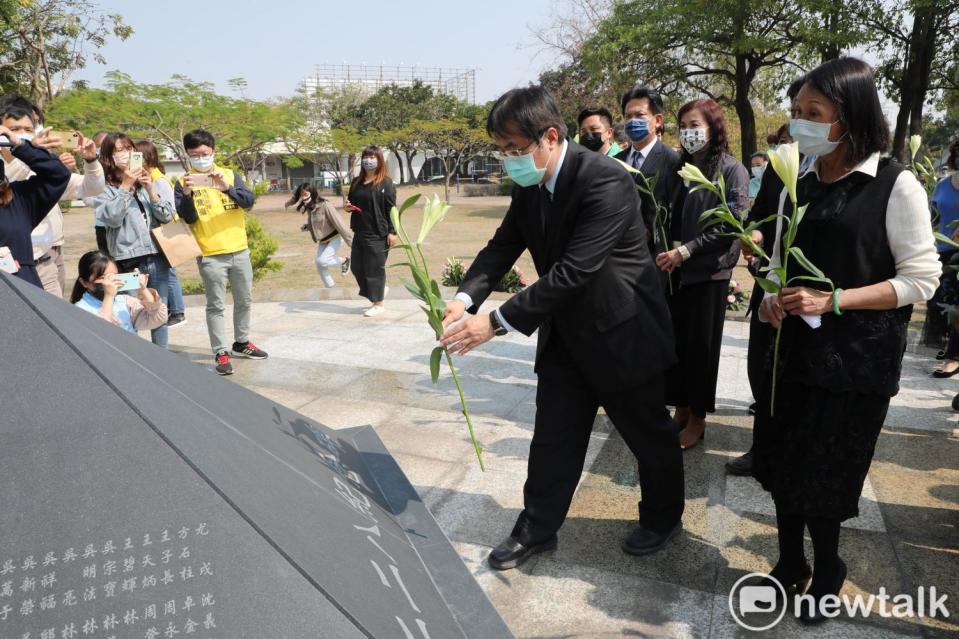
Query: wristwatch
x,y
498,329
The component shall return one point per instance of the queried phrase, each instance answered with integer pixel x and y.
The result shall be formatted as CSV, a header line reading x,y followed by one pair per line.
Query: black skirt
x,y
368,263
813,456
698,312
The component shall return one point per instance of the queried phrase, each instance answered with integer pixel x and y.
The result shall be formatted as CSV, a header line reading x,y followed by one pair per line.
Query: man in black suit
x,y
605,337
643,114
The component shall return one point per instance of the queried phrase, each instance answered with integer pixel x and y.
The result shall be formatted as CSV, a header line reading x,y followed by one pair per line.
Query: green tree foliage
x,y
262,248
453,140
44,42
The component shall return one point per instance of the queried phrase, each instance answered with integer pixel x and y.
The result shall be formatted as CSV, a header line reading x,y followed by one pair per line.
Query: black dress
x,y
371,227
698,306
835,382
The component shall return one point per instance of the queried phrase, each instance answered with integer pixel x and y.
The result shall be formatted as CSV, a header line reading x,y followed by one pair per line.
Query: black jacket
x,y
663,164
598,287
384,199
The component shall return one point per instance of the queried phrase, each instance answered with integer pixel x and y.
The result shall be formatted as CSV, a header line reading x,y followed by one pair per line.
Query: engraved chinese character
x,y
108,548
109,567
27,607
151,633
48,602
130,617
129,585
169,608
183,532
69,598
69,555
110,589
8,567
90,593
110,622
5,612
190,626
185,553
6,589
188,603
170,631
89,551
28,563
128,543
186,573
49,633
165,537
90,626
146,540
129,564
69,631
166,556
206,569
167,578
148,581
147,561
90,572
29,584
202,530
48,580
50,559
208,623
150,612
207,600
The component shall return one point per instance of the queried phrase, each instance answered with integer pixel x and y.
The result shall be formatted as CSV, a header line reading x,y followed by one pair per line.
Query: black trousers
x,y
699,312
566,406
368,263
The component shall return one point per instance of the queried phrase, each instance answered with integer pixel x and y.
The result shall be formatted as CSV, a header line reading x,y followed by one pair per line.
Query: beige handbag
x,y
175,240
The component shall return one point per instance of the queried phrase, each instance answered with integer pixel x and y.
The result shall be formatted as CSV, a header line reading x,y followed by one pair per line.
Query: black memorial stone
x,y
143,496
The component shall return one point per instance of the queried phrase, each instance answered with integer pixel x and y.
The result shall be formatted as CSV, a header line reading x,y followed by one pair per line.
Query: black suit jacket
x,y
663,163
598,287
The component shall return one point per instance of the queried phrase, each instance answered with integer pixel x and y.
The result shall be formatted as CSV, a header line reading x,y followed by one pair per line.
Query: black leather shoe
x,y
643,541
794,583
741,466
511,553
815,616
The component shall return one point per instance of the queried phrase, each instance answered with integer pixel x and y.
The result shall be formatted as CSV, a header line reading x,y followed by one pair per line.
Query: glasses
x,y
515,153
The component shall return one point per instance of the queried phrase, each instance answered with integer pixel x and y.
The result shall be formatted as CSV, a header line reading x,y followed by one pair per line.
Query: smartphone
x,y
5,141
131,282
70,140
201,179
136,161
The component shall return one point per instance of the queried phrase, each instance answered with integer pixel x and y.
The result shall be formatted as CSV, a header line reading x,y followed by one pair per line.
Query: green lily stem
x,y
466,412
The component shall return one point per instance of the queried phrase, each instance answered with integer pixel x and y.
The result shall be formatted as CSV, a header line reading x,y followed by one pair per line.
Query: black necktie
x,y
545,204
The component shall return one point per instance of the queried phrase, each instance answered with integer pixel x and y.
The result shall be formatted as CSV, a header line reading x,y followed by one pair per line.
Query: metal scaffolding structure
x,y
460,83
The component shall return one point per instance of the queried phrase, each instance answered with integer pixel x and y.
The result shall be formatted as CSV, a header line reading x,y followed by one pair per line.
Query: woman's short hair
x,y
715,120
529,111
113,174
850,84
309,188
151,157
91,268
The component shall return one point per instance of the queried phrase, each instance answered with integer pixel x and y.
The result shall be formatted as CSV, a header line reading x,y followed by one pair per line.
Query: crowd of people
x,y
631,297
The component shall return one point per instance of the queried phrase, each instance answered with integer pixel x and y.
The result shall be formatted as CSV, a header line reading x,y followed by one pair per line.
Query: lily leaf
x,y
796,253
768,285
435,363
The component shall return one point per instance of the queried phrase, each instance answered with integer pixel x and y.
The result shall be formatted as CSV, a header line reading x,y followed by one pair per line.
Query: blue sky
x,y
274,45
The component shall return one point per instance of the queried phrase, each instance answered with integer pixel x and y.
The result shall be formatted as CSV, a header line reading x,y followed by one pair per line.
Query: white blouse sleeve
x,y
909,231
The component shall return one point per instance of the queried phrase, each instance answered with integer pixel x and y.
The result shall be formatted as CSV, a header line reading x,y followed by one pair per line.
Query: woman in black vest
x,y
705,257
372,196
867,227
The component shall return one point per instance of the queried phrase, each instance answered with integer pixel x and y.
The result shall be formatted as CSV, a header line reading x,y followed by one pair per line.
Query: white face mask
x,y
121,159
26,136
202,163
758,171
813,137
369,164
693,140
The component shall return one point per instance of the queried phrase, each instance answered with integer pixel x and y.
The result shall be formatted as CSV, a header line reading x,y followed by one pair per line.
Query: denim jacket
x,y
128,227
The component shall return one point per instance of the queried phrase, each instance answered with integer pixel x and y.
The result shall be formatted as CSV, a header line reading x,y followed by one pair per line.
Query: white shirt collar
x,y
551,182
869,166
643,151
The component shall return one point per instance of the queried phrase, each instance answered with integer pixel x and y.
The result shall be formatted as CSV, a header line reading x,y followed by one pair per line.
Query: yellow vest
x,y
221,225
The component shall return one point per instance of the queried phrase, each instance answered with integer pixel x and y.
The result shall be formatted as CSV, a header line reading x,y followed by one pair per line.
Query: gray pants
x,y
215,270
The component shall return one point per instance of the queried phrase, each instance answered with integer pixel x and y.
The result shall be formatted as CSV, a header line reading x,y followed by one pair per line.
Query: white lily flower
x,y
915,141
785,162
433,211
691,174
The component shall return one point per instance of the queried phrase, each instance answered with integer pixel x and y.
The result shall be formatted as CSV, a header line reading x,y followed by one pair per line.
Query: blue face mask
x,y
636,129
523,170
